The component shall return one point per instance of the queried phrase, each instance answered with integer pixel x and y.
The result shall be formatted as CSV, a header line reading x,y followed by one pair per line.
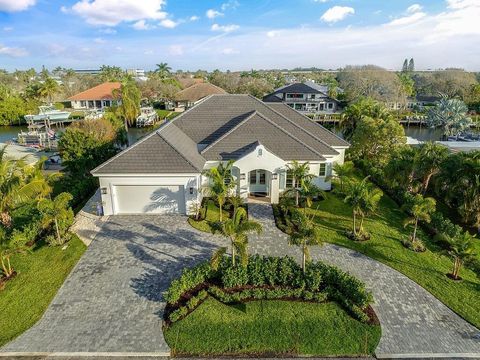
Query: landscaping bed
x,y
428,268
39,276
205,301
209,214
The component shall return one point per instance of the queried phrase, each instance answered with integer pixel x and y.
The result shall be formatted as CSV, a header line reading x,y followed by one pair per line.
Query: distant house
x,y
307,98
418,102
98,97
190,96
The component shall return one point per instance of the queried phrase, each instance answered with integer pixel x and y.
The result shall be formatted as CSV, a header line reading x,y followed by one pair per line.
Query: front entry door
x,y
258,182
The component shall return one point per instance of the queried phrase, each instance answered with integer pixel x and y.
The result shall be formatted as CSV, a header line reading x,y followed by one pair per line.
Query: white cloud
x,y
212,14
64,9
148,52
337,13
231,4
13,51
320,1
414,8
175,50
170,24
272,33
407,20
99,41
224,28
56,49
229,51
8,28
194,18
15,5
141,25
108,31
113,12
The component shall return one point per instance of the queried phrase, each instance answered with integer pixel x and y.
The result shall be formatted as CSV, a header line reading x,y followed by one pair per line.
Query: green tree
x,y
420,209
300,175
111,73
303,234
236,230
130,102
308,192
408,83
401,167
163,71
58,213
411,65
363,197
450,115
9,246
49,88
429,160
461,249
343,172
221,184
405,66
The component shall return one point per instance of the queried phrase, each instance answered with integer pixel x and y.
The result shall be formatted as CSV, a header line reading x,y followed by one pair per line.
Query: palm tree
x,y
304,234
236,230
236,202
421,208
130,97
58,213
450,115
9,246
310,191
163,70
221,184
363,197
430,158
48,89
461,249
19,184
300,174
400,170
342,172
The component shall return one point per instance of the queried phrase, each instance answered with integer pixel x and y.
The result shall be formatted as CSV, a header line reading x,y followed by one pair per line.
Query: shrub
x,y
417,245
189,279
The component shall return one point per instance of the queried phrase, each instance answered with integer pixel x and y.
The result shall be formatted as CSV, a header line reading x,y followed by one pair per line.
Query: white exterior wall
x,y
187,181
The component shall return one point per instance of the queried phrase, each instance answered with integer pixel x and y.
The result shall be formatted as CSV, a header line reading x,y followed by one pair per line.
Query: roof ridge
x,y
229,131
175,148
294,123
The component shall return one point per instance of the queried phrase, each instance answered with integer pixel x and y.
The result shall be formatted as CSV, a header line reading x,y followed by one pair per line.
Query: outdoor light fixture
x,y
104,191
274,176
242,176
191,190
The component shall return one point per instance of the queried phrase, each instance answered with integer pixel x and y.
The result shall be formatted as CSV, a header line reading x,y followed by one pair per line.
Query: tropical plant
x,y
342,172
461,249
59,213
49,88
420,209
130,97
19,184
163,70
9,246
450,115
303,234
430,158
236,202
236,230
300,175
221,183
363,197
111,73
308,192
400,169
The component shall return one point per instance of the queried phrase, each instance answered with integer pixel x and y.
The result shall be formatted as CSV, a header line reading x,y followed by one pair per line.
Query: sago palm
x,y
236,230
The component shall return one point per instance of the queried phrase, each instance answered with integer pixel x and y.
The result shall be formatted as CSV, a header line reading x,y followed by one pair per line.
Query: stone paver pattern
x,y
413,321
112,300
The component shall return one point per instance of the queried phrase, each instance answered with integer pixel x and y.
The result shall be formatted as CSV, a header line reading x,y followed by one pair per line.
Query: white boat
x,y
48,112
148,117
94,114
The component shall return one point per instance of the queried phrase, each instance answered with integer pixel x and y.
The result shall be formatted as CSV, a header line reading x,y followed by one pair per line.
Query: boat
x,y
48,112
37,136
94,114
148,117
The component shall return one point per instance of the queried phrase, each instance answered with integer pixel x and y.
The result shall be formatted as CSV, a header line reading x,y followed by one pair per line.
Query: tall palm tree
x,y
450,115
130,97
221,184
363,197
49,88
163,70
400,170
342,172
58,213
236,230
430,158
461,249
421,208
304,234
300,174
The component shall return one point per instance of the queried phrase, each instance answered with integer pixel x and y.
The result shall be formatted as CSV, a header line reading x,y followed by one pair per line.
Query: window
x,y
330,105
260,152
294,96
289,180
262,178
323,169
228,177
253,177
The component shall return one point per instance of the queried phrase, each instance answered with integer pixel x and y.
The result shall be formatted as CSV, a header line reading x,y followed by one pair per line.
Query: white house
x,y
98,97
162,173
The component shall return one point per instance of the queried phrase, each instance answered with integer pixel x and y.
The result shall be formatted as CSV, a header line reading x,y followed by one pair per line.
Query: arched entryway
x,y
259,183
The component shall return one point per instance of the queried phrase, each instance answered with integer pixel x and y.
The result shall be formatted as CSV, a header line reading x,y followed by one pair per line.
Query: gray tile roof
x,y
225,126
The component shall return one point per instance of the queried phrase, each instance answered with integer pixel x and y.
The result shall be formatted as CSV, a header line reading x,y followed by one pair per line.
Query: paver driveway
x,y
112,300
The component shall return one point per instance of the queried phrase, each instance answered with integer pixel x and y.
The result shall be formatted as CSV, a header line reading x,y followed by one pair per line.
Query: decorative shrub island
x,y
323,311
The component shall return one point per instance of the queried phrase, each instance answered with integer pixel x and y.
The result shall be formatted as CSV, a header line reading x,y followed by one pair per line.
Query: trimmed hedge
x,y
265,278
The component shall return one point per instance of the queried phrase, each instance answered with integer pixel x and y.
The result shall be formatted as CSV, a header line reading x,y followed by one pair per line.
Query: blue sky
x,y
239,34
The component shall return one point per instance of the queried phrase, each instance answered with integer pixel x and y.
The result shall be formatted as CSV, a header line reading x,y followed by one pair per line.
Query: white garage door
x,y
153,199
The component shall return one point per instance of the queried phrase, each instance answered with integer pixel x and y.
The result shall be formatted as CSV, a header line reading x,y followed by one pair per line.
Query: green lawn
x,y
40,275
167,114
428,269
271,327
212,215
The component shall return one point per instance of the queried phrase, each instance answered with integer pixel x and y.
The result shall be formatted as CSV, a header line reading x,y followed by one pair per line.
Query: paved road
x,y
112,302
413,321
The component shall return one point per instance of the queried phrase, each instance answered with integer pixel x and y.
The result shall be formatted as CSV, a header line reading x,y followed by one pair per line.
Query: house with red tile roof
x,y
98,97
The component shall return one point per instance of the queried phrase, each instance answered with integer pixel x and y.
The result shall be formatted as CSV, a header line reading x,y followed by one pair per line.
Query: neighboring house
x,y
419,102
162,173
190,96
137,74
98,97
307,97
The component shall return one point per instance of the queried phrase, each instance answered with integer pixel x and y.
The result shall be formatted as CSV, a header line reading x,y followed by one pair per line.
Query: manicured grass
x,y
167,114
40,275
271,327
428,269
212,215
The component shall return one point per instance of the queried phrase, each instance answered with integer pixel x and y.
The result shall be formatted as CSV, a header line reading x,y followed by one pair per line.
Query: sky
x,y
239,34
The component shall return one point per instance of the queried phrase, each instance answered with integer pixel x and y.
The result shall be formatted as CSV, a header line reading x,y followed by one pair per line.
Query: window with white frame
x,y
289,180
323,169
